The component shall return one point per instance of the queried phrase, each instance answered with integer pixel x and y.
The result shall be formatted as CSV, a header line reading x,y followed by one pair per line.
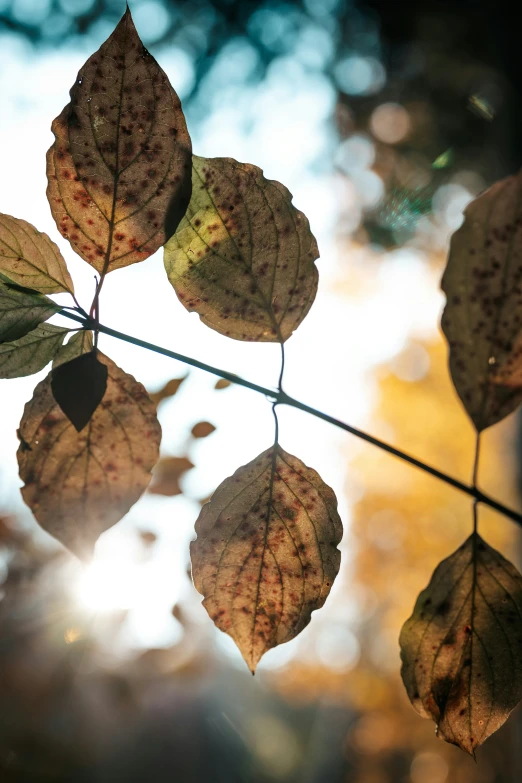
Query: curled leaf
x,y
78,387
79,484
482,320
167,474
30,354
80,343
461,649
21,311
266,552
243,255
28,258
119,170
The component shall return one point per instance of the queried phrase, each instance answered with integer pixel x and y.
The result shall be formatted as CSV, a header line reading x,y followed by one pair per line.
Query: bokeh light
x,y
390,123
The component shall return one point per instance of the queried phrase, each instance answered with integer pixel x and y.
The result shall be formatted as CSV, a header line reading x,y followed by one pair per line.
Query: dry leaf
x,y
30,354
119,170
167,474
21,311
462,647
243,255
28,258
266,551
79,484
166,391
222,384
482,320
202,429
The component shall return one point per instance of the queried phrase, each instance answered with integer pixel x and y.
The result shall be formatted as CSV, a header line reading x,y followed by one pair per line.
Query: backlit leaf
x,y
462,647
119,170
266,551
30,354
81,342
79,386
21,311
79,484
202,429
28,258
243,255
167,474
482,319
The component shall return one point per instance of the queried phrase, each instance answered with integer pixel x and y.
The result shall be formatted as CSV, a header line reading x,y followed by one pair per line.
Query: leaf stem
x,y
474,481
281,398
282,372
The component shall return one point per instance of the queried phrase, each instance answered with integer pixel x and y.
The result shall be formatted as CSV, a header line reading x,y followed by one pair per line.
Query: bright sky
x,y
282,125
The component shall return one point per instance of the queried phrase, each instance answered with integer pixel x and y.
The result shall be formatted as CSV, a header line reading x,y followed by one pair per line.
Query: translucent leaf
x,y
482,320
167,474
21,311
119,170
28,258
81,342
79,484
202,429
266,551
243,255
79,386
30,354
462,647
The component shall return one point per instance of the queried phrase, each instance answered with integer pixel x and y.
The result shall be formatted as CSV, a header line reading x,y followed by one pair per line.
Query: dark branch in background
x,y
280,397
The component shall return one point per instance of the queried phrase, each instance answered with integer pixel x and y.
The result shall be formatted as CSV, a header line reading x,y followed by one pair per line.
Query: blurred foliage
x,y
403,525
426,99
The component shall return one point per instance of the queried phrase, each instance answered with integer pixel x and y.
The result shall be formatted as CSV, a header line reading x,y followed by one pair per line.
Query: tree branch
x,y
281,398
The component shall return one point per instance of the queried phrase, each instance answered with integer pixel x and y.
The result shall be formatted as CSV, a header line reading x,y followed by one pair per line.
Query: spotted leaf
x,y
266,551
462,647
119,169
243,255
79,484
482,319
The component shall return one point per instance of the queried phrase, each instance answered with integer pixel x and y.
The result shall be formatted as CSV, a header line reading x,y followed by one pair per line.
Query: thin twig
x,y
281,398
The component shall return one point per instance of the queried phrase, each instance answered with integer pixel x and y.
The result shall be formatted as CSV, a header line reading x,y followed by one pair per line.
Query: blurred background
x,y
384,119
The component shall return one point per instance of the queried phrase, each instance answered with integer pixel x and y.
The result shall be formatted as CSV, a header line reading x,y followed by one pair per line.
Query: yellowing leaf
x,y
28,258
21,311
80,343
79,484
462,647
243,255
30,354
119,170
482,320
266,551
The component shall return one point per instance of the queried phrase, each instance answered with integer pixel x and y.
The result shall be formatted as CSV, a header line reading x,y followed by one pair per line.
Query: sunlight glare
x,y
109,585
